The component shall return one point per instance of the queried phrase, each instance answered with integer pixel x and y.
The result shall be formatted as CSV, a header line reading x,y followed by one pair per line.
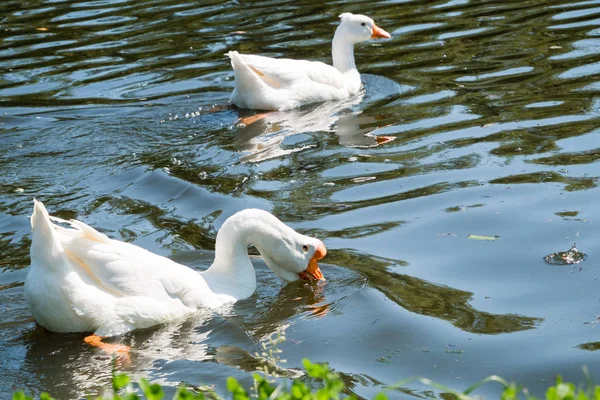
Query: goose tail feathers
x,y
44,243
247,80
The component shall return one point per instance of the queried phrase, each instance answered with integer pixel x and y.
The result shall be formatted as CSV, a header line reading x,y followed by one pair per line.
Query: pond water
x,y
113,112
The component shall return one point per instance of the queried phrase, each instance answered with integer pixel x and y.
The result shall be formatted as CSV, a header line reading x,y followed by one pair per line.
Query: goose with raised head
x,y
80,280
266,83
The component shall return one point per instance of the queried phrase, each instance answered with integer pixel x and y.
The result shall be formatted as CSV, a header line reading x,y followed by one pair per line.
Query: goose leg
x,y
121,351
384,139
244,120
221,107
253,118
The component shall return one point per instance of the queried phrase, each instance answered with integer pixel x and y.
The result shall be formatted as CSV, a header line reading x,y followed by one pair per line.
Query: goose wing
x,y
124,269
286,73
118,268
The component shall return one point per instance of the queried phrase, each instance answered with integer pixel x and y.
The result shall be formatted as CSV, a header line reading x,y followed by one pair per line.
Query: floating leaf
x,y
481,237
567,213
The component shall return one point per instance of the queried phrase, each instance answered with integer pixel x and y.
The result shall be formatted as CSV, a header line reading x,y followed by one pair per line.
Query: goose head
x,y
289,254
293,256
356,28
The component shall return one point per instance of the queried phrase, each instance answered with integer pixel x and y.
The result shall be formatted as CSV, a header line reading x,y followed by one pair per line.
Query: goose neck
x,y
232,272
342,53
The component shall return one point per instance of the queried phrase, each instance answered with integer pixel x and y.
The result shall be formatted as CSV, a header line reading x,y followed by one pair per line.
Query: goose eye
x,y
363,24
305,248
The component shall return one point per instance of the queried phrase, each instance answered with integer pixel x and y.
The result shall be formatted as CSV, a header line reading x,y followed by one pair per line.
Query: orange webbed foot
x,y
253,118
121,351
384,139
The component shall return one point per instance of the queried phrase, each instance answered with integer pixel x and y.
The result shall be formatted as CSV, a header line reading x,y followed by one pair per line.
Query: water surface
x,y
113,112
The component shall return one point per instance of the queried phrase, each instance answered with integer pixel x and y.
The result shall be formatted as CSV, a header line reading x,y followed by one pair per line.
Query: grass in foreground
x,y
265,387
331,388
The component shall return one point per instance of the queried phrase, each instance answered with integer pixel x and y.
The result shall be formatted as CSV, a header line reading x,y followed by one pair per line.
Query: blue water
x,y
113,112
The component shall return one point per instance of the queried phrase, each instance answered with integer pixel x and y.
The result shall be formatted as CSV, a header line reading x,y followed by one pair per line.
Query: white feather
x,y
82,281
267,83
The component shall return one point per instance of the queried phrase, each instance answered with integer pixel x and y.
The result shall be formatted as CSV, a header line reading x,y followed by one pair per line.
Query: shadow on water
x,y
426,298
476,118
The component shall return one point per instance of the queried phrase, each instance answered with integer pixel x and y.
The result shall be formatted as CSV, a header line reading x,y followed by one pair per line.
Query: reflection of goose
x,y
266,83
262,139
82,281
261,136
167,353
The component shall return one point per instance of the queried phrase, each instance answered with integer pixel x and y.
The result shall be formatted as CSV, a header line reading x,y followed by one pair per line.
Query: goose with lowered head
x,y
266,83
82,281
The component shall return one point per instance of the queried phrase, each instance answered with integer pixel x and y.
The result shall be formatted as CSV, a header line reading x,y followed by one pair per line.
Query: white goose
x,y
265,83
82,281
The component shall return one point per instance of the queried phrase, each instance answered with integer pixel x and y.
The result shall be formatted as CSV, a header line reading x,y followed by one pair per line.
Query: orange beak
x,y
379,33
313,270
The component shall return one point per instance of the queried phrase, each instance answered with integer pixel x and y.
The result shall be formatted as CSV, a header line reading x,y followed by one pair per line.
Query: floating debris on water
x,y
572,256
483,237
570,216
567,213
592,322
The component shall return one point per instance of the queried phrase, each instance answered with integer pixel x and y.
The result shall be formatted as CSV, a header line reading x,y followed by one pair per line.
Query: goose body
x,y
266,83
82,281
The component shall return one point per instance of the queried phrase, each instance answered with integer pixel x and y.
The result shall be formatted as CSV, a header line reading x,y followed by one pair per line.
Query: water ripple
x,y
477,118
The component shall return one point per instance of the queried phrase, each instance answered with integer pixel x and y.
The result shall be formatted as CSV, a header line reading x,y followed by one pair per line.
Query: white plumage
x,y
266,83
82,281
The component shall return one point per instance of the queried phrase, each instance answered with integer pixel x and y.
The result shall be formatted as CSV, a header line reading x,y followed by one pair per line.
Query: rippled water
x,y
113,112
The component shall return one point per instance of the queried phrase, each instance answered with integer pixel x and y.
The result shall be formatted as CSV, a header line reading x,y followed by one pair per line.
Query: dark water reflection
x,y
113,112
